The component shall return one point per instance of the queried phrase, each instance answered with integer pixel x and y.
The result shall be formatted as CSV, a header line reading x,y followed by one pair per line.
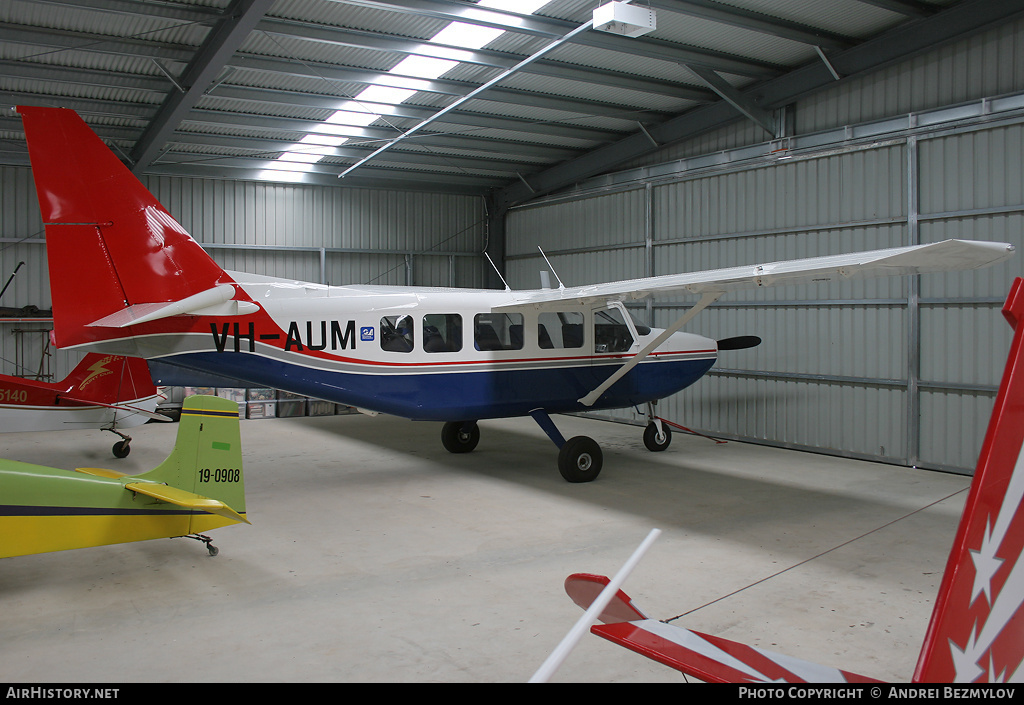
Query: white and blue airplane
x,y
127,279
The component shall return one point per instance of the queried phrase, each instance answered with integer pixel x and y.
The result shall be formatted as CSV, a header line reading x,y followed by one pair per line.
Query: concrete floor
x,y
376,556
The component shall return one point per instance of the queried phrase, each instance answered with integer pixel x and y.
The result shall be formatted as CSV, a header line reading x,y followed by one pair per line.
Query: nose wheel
x,y
657,436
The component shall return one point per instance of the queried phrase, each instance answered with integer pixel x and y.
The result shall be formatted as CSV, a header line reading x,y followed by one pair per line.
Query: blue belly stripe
x,y
452,395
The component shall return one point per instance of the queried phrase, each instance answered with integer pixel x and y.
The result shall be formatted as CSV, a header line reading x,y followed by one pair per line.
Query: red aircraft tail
x,y
110,245
976,633
108,379
977,627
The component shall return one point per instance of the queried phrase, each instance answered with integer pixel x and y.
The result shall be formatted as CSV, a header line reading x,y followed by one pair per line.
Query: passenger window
x,y
611,334
396,333
498,331
560,330
442,332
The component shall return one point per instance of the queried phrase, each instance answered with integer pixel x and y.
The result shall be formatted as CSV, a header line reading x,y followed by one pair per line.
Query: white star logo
x,y
985,565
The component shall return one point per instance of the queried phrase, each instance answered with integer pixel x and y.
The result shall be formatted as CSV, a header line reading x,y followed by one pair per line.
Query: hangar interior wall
x,y
309,233
899,370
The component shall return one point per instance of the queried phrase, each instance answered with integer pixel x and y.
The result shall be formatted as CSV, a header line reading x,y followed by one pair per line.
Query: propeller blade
x,y
740,342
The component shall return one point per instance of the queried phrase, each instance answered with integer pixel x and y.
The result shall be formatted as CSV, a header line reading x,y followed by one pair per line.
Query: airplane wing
x,y
945,256
708,658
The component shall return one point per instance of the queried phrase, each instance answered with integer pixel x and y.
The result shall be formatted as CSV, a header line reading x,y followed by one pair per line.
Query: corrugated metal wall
x,y
898,370
330,235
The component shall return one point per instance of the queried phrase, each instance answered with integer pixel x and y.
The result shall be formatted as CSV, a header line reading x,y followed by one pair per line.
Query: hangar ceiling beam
x,y
742,102
959,20
240,19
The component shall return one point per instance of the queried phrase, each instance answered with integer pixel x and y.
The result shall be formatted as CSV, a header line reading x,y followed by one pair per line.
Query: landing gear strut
x,y
657,435
579,459
210,548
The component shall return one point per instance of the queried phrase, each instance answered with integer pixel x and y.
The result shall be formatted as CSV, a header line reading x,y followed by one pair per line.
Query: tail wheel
x,y
656,441
460,437
580,459
121,449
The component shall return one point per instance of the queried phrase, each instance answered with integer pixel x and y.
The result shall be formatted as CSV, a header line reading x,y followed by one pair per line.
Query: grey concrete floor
x,y
376,556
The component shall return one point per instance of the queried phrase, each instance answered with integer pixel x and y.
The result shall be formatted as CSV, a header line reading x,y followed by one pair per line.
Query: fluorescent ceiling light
x,y
335,131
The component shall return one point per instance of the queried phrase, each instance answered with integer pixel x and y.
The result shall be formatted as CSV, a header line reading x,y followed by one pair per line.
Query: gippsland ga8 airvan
x,y
126,278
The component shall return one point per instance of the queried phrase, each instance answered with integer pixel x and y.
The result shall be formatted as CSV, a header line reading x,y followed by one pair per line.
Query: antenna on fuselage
x,y
497,272
557,278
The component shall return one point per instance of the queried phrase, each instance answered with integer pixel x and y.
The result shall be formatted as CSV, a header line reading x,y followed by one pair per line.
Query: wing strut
x,y
706,300
611,590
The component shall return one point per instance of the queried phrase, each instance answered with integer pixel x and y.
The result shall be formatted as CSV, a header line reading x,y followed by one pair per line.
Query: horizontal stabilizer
x,y
212,302
188,500
122,407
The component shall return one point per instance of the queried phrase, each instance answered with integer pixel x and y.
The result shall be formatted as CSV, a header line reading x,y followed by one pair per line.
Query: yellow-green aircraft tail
x,y
199,487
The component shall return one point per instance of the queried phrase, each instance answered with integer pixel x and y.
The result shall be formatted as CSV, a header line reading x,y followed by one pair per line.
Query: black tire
x,y
654,443
121,449
580,460
460,437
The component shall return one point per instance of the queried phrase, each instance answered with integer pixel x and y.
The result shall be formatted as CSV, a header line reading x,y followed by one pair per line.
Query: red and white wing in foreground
x,y
976,633
708,658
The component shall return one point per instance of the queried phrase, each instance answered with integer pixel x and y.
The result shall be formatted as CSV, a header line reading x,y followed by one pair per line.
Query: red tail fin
x,y
977,627
108,379
109,242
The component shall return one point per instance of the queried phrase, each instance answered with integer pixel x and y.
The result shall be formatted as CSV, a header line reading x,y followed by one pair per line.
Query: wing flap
x,y
183,498
949,255
716,660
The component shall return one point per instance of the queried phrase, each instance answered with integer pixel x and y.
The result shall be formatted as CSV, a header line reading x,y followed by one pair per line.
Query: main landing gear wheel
x,y
656,441
460,437
580,459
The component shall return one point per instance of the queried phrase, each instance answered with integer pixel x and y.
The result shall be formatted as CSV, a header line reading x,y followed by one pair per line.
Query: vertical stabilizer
x,y
109,379
109,242
207,456
977,627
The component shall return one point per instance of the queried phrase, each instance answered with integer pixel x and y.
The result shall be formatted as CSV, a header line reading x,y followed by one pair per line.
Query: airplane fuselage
x,y
26,405
422,353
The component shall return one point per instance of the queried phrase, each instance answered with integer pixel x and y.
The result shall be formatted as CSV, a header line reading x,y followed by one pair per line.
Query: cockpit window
x,y
611,333
641,327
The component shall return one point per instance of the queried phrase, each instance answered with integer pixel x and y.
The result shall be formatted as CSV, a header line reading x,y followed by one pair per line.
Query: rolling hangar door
x,y
900,370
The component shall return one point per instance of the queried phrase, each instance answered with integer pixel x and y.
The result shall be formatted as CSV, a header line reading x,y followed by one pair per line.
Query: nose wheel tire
x,y
580,459
460,437
655,441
